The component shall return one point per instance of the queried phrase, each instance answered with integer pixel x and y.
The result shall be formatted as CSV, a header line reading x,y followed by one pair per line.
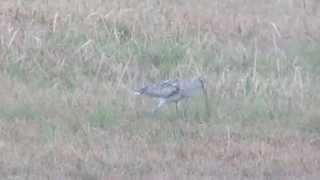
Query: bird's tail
x,y
136,92
139,92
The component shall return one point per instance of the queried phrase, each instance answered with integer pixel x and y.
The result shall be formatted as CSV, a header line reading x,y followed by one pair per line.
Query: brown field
x,y
67,68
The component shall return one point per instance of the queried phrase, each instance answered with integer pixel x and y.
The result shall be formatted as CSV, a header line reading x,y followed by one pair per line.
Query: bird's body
x,y
169,91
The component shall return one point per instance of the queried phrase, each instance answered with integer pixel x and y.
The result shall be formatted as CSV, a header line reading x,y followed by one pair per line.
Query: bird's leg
x,y
177,108
186,107
206,102
160,104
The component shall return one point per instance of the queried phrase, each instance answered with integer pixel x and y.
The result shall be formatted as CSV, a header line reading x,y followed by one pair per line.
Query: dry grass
x,y
67,68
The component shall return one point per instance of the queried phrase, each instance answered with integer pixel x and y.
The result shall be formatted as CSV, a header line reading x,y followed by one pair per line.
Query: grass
x,y
68,67
19,111
103,116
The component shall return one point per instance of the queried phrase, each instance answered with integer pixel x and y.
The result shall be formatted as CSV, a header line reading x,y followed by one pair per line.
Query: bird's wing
x,y
163,89
169,88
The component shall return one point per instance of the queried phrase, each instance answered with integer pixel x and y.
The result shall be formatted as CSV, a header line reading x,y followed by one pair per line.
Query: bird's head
x,y
203,81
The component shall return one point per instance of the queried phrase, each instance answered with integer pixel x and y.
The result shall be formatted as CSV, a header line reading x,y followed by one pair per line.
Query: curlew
x,y
173,91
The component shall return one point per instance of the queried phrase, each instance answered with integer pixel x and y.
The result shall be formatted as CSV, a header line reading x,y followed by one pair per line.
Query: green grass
x,y
49,131
19,111
66,106
16,71
104,116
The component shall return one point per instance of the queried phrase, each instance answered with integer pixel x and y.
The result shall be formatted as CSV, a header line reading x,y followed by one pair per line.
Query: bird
x,y
174,90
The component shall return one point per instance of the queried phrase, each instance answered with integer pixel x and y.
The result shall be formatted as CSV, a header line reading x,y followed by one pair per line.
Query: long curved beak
x,y
206,100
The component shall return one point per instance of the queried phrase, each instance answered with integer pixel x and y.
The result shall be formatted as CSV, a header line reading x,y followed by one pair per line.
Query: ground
x,y
68,68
